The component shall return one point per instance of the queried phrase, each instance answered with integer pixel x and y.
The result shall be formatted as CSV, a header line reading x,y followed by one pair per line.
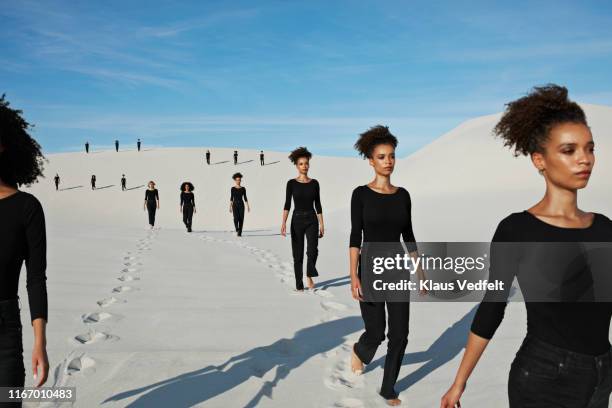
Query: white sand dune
x,y
163,318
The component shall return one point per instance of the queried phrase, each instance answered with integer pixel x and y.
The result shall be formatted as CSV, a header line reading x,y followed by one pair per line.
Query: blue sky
x,y
278,74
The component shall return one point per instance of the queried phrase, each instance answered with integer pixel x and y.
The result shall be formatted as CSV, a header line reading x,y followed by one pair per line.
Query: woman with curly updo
x,y
565,359
380,212
238,198
307,218
22,238
187,206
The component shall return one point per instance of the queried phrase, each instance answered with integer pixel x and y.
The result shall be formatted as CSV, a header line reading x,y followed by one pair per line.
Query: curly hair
x,y
21,162
526,123
373,137
236,175
298,153
187,183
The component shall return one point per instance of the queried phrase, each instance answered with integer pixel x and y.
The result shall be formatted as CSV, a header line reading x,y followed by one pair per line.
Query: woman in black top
x,y
22,238
237,199
306,220
151,202
93,181
565,359
380,212
187,206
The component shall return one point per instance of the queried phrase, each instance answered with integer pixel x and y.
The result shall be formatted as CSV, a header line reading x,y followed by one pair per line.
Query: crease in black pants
x,y
304,224
238,212
375,321
187,215
151,208
12,370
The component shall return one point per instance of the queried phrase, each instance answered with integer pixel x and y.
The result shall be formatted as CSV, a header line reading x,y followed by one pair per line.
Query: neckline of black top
x,y
384,194
595,217
12,195
304,182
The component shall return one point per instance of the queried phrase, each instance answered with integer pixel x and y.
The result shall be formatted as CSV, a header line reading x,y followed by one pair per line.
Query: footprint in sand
x,y
342,378
322,293
132,264
96,317
349,403
128,278
121,289
79,364
130,258
124,270
106,302
94,337
333,306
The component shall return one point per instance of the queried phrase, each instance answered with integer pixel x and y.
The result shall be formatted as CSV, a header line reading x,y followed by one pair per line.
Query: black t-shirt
x,y
237,195
187,199
23,238
151,195
304,196
582,327
381,217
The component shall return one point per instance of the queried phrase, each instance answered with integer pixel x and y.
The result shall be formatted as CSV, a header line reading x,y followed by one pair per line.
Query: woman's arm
x,y
319,208
355,243
286,209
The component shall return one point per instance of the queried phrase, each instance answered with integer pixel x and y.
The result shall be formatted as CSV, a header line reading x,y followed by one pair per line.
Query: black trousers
x,y
304,223
261,161
546,376
374,319
187,215
12,370
208,160
151,208
238,212
56,186
122,187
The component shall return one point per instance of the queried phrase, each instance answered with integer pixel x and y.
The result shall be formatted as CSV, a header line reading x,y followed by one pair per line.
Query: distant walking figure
x,y
116,145
86,147
261,158
151,203
93,181
123,182
187,207
237,199
306,220
57,181
235,157
138,144
207,156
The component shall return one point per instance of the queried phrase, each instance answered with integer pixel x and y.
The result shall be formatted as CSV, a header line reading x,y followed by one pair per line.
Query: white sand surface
x,y
164,318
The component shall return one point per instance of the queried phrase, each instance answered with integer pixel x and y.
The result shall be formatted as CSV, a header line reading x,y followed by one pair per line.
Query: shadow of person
x,y
330,283
283,356
446,347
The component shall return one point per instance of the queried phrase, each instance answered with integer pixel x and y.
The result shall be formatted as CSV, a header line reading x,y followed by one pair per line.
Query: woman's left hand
x,y
40,365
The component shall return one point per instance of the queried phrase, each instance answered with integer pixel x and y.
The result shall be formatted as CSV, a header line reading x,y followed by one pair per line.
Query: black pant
x,y
56,186
151,208
235,160
373,315
138,146
116,148
208,160
238,212
304,223
187,216
546,376
122,187
12,370
261,161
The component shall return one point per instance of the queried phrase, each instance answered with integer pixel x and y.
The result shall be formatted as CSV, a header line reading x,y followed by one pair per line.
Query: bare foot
x,y
394,402
310,283
356,364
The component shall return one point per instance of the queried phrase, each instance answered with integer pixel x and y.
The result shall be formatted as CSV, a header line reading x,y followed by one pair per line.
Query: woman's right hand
x,y
452,396
284,229
356,289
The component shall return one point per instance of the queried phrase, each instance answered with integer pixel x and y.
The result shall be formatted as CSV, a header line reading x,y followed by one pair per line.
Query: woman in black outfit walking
x,y
380,212
237,199
565,359
22,238
306,220
151,202
187,206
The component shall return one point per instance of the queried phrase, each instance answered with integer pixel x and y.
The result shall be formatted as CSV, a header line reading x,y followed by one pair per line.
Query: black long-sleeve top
x,y
305,195
151,195
381,217
581,327
23,238
237,195
187,199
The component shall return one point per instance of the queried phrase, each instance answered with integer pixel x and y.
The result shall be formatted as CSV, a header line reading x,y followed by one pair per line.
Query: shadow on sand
x,y
135,188
103,187
70,188
332,283
271,163
282,357
220,162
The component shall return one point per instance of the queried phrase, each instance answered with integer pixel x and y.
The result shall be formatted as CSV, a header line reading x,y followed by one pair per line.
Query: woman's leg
x,y
297,248
399,317
312,250
373,315
12,370
240,219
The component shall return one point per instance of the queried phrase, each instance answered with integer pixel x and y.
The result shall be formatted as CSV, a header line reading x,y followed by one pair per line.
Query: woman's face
x,y
303,164
568,156
187,189
238,180
151,186
383,159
